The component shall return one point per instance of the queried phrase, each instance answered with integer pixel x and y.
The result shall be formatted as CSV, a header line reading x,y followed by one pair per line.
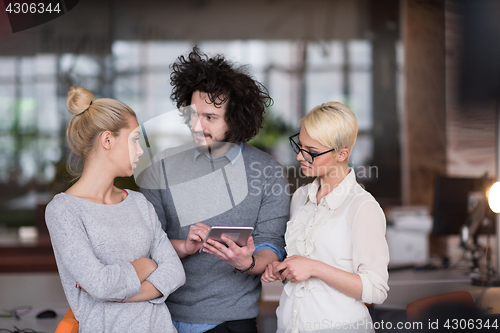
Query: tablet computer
x,y
239,235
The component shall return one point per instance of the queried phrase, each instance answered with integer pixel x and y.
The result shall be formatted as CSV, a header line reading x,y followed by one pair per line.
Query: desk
x,y
409,285
41,291
44,291
25,256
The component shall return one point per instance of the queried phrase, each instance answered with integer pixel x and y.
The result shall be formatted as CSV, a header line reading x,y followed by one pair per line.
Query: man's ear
x,y
343,155
105,139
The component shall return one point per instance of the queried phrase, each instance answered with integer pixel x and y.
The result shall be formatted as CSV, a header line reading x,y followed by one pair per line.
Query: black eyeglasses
x,y
308,156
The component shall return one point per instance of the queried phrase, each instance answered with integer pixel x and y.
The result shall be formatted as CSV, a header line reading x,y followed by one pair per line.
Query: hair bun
x,y
79,100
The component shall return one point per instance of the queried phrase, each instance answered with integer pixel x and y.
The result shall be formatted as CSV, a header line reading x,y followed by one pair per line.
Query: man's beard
x,y
203,146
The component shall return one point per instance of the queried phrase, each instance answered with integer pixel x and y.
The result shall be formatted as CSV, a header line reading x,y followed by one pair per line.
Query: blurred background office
x,y
397,64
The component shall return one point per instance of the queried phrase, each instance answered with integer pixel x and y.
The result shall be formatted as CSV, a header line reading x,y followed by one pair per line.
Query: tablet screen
x,y
239,235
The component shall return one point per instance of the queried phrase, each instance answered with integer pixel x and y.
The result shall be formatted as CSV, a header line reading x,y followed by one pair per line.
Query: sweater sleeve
x,y
151,183
75,254
169,275
370,252
275,206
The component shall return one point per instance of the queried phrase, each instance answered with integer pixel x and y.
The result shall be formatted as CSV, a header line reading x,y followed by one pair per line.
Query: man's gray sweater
x,y
213,293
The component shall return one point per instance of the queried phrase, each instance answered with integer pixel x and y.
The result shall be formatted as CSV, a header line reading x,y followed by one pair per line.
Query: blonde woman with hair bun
x,y
337,254
116,264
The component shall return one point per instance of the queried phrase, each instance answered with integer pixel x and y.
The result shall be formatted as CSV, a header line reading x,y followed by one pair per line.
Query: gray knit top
x,y
94,245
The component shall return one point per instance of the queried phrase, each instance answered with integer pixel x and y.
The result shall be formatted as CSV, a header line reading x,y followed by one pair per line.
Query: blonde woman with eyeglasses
x,y
337,254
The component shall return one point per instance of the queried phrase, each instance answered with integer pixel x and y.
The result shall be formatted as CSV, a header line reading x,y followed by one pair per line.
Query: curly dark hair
x,y
246,98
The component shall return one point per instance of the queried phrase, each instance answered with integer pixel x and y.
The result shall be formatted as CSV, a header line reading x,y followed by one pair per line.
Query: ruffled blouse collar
x,y
335,198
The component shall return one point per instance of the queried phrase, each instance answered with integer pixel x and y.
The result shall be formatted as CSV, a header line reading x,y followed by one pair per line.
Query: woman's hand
x,y
148,292
144,267
295,269
268,275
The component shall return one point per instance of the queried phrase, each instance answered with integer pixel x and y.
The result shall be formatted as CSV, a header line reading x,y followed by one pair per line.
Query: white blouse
x,y
347,231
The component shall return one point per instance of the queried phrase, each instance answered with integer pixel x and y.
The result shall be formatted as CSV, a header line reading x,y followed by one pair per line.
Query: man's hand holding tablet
x,y
220,243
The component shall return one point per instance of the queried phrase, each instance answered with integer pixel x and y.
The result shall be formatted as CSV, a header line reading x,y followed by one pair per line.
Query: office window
x,y
299,75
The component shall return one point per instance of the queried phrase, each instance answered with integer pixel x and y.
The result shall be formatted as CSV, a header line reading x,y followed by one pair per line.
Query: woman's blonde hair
x,y
92,117
333,125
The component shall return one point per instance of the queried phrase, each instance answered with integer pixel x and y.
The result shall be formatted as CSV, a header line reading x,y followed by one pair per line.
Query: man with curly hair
x,y
221,181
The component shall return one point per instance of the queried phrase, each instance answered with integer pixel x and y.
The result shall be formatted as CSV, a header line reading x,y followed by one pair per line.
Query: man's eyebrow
x,y
210,114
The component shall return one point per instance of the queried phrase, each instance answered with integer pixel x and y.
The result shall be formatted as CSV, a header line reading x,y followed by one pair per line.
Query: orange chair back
x,y
416,310
68,324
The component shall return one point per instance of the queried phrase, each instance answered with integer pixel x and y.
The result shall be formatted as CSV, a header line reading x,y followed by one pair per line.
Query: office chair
x,y
68,324
417,310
